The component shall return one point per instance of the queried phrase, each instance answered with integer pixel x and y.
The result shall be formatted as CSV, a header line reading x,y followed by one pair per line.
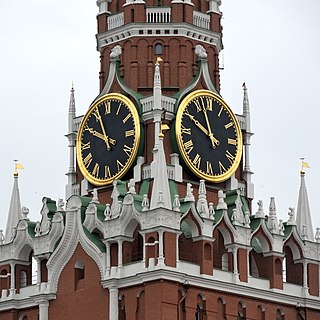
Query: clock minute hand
x,y
103,130
214,141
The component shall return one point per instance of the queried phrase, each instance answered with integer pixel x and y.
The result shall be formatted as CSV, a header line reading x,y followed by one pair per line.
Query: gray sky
x,y
272,45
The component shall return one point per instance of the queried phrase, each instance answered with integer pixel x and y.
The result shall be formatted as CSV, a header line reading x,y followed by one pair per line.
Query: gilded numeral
x,y
222,168
96,114
107,173
232,141
197,161
228,125
198,104
209,103
230,156
209,169
95,171
127,118
118,110
87,160
220,111
127,150
188,146
85,146
185,130
129,133
108,107
119,165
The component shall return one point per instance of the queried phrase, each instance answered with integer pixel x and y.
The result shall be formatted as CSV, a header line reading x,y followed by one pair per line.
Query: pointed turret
x,y
303,219
72,143
15,213
160,190
246,142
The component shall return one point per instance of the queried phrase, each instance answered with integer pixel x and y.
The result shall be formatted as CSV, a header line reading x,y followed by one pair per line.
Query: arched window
x,y
158,49
261,313
241,311
122,308
225,262
79,275
221,309
280,315
201,308
23,279
23,317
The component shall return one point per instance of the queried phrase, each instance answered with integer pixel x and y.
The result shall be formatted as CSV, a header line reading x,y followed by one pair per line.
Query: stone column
x,y
12,279
160,257
177,247
120,242
43,310
38,271
113,303
143,246
305,288
108,260
235,264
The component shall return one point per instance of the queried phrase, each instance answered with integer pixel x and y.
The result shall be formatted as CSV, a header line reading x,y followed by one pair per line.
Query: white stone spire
x,y
72,143
160,191
247,134
273,224
15,213
303,218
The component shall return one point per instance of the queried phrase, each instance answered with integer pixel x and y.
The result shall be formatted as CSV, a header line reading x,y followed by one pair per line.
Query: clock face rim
x,y
137,129
178,132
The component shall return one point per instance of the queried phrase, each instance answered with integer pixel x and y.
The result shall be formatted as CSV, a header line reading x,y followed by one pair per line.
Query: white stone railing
x,y
201,20
167,103
158,15
115,21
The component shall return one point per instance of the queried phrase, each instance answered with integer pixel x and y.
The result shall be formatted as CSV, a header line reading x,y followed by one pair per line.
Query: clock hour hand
x,y
98,117
100,135
214,141
197,123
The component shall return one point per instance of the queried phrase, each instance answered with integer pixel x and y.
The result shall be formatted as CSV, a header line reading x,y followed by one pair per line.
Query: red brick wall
x,y
313,279
91,302
242,264
170,252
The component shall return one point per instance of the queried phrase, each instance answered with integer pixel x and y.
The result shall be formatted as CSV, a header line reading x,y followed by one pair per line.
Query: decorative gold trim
x,y
216,178
132,109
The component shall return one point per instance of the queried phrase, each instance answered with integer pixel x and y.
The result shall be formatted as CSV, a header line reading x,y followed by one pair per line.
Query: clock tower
x,y
159,220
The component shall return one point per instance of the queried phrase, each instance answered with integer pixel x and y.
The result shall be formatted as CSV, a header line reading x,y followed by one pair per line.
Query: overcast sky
x,y
272,45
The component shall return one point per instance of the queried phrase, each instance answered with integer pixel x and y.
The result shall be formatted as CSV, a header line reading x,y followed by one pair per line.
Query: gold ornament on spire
x,y
303,166
17,166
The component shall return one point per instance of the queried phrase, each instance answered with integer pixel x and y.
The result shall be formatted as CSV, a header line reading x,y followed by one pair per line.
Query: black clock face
x,y
208,136
108,139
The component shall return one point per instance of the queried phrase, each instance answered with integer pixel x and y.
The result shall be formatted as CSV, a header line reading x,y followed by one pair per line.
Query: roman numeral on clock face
x,y
230,156
95,171
87,160
107,105
188,146
85,146
127,150
129,133
222,168
107,173
209,169
197,161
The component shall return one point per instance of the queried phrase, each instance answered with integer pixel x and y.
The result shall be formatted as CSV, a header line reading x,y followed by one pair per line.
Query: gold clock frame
x,y
178,132
135,115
